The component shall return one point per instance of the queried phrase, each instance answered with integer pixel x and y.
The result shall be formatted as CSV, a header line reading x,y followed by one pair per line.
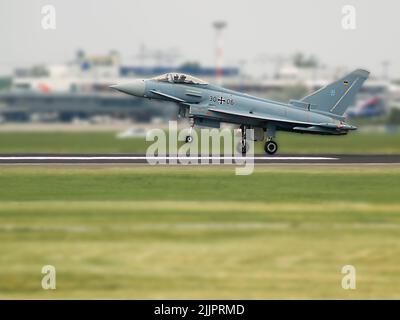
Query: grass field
x,y
154,232
87,142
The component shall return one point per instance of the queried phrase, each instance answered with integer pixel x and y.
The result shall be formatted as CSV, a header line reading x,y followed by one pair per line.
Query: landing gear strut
x,y
243,146
271,147
189,138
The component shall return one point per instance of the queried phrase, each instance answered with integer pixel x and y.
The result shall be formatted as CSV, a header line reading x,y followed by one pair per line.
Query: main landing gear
x,y
270,147
243,146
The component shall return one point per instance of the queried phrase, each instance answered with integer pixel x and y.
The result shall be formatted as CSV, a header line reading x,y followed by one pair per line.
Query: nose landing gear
x,y
189,137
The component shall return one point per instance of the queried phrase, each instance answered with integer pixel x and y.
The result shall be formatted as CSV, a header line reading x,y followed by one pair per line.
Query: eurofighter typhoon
x,y
321,112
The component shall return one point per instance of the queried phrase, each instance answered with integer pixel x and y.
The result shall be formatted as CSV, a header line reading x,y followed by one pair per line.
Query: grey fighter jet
x,y
321,112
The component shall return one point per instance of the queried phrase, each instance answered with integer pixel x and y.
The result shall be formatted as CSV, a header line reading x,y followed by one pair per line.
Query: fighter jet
x,y
207,105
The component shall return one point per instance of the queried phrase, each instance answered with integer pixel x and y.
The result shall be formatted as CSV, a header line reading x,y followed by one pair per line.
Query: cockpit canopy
x,y
178,78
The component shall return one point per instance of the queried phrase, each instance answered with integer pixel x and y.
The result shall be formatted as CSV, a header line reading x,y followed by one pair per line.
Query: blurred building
x,y
80,88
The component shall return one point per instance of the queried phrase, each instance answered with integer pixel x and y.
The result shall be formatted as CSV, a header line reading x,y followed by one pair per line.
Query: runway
x,y
46,159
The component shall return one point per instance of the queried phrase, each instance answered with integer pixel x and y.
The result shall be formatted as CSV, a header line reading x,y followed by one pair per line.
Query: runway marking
x,y
129,164
196,160
158,158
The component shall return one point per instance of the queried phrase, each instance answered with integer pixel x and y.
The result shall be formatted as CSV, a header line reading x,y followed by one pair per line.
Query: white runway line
x,y
158,158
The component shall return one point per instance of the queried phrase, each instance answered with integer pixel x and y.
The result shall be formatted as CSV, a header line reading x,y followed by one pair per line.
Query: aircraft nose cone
x,y
135,88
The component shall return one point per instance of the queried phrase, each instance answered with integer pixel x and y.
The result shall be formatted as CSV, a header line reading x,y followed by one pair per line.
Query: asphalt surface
x,y
44,159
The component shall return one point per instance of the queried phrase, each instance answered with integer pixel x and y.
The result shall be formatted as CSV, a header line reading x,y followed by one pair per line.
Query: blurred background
x,y
58,79
194,231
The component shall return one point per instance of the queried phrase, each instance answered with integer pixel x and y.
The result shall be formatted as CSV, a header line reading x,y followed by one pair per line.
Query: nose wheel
x,y
271,147
189,137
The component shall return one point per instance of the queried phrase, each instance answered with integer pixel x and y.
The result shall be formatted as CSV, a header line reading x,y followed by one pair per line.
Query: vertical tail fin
x,y
339,95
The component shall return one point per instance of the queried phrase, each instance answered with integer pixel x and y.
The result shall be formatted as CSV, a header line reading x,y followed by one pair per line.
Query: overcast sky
x,y
254,27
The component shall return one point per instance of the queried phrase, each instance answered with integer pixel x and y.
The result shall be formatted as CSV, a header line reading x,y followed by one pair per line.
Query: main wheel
x,y
189,139
242,147
270,147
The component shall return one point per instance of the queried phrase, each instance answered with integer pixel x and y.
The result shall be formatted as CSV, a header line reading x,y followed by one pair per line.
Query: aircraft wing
x,y
311,126
257,116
